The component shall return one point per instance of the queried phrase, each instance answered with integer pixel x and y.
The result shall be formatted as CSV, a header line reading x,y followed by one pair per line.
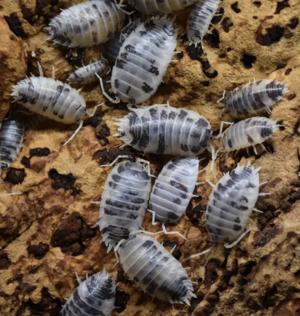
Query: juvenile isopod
x,y
87,74
162,129
93,297
173,190
124,201
86,24
248,132
11,139
253,98
154,269
200,19
160,6
142,61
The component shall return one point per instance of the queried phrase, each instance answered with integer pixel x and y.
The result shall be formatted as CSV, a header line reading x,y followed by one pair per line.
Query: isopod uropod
x,y
87,74
254,97
143,60
231,203
11,138
86,24
200,19
162,129
93,297
123,202
154,269
173,189
248,132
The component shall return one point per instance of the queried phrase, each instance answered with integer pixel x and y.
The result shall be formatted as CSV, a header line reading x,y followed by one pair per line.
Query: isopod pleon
x,y
200,19
254,97
87,74
231,203
173,189
143,60
93,297
11,139
86,24
154,269
248,132
160,6
162,129
123,202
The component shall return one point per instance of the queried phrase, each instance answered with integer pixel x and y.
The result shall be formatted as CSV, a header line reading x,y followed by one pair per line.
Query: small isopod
x,y
87,74
162,129
154,269
143,60
86,24
123,202
231,203
200,19
254,97
160,6
248,132
93,297
173,189
11,139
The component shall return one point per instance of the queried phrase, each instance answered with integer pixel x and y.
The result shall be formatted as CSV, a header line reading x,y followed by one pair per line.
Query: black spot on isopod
x,y
237,227
248,60
15,176
63,181
270,35
266,132
146,88
147,244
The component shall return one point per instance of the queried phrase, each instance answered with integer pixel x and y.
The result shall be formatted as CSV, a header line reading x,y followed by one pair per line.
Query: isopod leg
x,y
108,97
116,160
74,133
175,232
154,222
230,245
222,127
199,254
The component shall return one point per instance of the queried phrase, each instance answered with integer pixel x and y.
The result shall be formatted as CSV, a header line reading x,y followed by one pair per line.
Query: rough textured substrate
x,y
47,233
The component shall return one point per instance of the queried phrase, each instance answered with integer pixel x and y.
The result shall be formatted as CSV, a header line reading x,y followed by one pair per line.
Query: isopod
x,y
154,269
231,203
11,139
254,97
248,132
162,129
200,19
160,6
86,24
173,190
93,297
143,60
87,74
124,201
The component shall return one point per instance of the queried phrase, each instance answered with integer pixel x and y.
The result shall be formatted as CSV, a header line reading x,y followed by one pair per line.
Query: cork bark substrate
x,y
49,232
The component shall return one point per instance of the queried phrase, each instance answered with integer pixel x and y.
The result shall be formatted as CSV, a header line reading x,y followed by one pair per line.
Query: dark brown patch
x,y
122,299
261,238
102,132
270,35
248,60
226,24
15,24
4,260
63,181
235,7
213,39
15,176
39,250
293,23
106,156
211,274
39,152
281,5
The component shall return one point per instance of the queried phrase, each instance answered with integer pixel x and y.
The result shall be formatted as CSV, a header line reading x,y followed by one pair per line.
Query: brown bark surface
x,y
48,232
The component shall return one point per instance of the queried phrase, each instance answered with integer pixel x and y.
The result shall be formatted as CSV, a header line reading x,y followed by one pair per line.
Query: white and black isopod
x,y
200,19
162,129
87,74
11,138
154,269
86,24
248,132
254,97
160,6
173,190
231,203
123,202
143,60
93,297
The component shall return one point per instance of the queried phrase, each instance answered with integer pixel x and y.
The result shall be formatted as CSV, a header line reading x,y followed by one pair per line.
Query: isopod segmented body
x,y
154,269
231,203
11,138
86,24
123,202
248,132
253,98
200,19
173,189
162,129
87,74
50,98
143,60
160,6
93,297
